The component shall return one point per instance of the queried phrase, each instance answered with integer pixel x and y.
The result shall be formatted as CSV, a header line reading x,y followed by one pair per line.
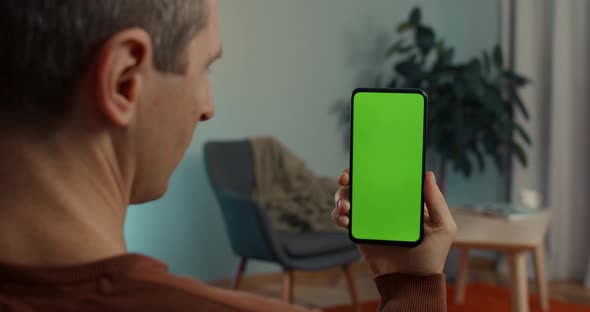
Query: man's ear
x,y
124,62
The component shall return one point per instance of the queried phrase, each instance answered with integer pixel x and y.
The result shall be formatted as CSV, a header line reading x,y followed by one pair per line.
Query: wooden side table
x,y
514,239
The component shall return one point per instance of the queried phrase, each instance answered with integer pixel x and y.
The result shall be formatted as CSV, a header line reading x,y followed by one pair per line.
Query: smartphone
x,y
387,138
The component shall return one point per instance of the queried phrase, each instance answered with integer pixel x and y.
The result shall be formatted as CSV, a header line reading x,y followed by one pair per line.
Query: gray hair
x,y
45,46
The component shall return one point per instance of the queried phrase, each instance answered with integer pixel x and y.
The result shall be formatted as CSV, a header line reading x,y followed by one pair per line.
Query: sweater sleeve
x,y
412,292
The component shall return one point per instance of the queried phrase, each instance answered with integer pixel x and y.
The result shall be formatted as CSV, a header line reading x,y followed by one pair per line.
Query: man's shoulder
x,y
156,286
127,282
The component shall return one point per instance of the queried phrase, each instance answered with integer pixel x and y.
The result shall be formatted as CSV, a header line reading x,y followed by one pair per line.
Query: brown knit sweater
x,y
138,283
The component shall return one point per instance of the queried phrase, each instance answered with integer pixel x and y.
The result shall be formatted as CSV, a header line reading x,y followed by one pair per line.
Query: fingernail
x,y
433,178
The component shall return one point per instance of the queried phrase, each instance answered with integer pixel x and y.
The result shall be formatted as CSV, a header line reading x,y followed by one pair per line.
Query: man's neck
x,y
61,205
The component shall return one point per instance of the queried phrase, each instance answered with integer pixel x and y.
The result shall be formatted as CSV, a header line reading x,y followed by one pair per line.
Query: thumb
x,y
435,201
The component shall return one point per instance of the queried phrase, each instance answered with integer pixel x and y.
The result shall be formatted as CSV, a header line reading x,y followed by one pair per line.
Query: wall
x,y
285,64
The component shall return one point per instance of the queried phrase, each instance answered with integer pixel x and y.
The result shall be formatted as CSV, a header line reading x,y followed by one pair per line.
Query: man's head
x,y
128,76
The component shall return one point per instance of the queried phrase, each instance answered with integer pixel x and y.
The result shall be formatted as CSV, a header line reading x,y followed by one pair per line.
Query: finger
x,y
343,207
338,219
343,221
342,193
344,178
435,201
426,217
335,214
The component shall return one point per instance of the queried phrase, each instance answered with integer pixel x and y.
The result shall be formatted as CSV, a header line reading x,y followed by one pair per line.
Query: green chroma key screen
x,y
387,165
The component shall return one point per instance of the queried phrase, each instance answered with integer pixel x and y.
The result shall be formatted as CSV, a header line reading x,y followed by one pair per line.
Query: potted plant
x,y
472,104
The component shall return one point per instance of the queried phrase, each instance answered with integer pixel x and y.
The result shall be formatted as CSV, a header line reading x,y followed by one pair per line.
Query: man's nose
x,y
209,111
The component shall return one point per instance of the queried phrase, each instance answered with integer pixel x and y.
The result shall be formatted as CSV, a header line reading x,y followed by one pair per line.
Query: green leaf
x,y
442,144
491,147
424,39
492,99
479,156
490,143
468,167
507,108
447,56
515,78
460,89
444,57
436,108
405,49
445,81
519,152
415,16
518,101
408,67
404,27
463,164
498,57
505,130
522,133
474,66
342,109
460,135
498,161
393,49
473,77
440,45
470,120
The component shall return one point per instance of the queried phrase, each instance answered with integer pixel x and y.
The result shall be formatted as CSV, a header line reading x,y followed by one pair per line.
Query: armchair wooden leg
x,y
350,281
288,286
239,272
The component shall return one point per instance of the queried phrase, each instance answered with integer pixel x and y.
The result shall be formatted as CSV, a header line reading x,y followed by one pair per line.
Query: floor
x,y
327,288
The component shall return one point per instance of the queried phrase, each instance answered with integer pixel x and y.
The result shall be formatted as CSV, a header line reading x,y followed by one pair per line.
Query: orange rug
x,y
482,298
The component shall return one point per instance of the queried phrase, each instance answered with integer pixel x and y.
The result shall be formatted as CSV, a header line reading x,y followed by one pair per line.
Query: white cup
x,y
530,199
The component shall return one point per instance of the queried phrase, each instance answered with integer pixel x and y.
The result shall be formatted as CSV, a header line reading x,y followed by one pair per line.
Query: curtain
x,y
548,41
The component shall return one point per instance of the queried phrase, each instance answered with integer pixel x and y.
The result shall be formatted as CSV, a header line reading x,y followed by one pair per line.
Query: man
x,y
99,100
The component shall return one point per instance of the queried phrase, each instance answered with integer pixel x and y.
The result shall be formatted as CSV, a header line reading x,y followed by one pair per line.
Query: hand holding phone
x,y
427,258
382,197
